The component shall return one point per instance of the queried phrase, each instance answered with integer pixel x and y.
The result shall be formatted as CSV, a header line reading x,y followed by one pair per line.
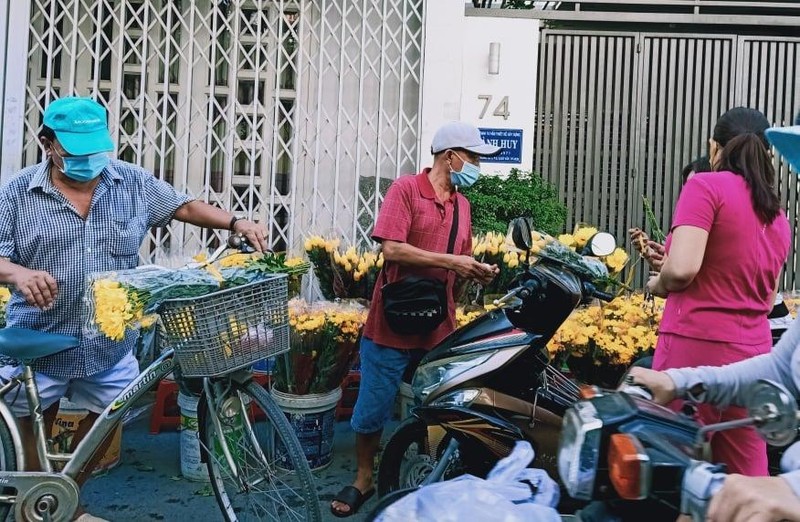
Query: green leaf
x,y
495,201
204,492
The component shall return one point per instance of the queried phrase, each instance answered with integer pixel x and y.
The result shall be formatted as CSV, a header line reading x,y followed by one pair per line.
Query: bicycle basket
x,y
223,331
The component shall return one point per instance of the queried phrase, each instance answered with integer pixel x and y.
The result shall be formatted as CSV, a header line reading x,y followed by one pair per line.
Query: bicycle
x,y
257,467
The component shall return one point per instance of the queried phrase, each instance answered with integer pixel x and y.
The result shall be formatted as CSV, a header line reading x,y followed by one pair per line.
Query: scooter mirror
x,y
774,410
520,232
602,244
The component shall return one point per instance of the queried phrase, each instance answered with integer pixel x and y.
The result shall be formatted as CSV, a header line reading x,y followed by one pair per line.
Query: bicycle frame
x,y
102,427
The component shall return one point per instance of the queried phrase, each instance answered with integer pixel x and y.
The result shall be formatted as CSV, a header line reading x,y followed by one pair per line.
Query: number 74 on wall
x,y
501,110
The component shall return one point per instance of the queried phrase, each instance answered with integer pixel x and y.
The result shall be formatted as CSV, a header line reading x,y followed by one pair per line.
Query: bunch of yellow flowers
x,y
5,295
357,264
320,243
493,249
320,251
348,273
355,272
464,316
323,346
617,332
615,262
119,307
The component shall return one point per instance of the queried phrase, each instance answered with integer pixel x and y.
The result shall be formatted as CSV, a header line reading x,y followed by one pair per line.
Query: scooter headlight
x,y
579,451
429,376
457,398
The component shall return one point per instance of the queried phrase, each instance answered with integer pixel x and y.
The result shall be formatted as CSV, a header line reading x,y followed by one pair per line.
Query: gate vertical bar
x,y
13,83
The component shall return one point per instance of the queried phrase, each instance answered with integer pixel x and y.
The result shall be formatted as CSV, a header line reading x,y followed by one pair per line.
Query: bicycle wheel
x,y
274,482
8,462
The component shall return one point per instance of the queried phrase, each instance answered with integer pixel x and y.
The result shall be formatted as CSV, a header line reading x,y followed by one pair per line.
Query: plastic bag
x,y
511,492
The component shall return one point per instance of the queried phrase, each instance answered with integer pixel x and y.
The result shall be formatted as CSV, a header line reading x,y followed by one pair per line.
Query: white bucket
x,y
313,417
191,466
406,400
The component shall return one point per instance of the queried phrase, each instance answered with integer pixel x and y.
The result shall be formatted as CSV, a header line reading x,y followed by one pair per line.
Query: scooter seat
x,y
27,345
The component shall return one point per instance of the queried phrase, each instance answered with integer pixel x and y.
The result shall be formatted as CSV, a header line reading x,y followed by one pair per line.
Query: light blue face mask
x,y
84,168
467,176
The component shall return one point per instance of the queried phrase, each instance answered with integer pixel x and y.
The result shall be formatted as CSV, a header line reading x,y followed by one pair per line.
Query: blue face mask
x,y
84,168
467,176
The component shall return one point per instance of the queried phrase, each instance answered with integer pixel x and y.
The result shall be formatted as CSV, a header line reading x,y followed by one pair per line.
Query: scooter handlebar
x,y
603,296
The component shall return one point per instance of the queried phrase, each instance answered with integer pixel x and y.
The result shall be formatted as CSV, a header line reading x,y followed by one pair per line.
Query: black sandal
x,y
352,497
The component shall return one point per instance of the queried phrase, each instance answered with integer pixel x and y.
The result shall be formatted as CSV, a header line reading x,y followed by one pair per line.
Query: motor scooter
x,y
490,384
634,458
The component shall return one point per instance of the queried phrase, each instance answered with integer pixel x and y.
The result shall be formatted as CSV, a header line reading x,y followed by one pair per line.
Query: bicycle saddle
x,y
27,345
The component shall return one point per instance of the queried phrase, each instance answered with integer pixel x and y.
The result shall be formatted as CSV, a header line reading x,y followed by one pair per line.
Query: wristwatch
x,y
234,219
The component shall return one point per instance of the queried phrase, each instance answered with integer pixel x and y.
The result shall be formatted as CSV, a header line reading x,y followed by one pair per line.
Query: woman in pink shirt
x,y
728,243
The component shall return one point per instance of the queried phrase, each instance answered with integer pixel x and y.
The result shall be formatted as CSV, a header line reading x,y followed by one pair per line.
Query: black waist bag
x,y
417,305
414,305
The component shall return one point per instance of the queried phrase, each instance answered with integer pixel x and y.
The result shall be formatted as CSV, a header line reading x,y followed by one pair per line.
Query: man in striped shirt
x,y
75,213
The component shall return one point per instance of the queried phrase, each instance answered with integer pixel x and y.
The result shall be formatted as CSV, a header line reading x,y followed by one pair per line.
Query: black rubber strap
x,y
453,229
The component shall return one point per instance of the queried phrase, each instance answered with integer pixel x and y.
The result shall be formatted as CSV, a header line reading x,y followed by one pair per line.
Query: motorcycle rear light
x,y
588,391
629,467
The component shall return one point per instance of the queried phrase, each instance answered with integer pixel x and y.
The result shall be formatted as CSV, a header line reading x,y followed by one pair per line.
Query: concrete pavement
x,y
147,484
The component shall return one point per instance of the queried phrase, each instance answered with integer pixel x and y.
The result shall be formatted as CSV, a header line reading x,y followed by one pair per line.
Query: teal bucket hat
x,y
786,141
80,125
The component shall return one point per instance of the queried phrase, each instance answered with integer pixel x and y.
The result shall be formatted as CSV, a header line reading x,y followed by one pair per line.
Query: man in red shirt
x,y
414,228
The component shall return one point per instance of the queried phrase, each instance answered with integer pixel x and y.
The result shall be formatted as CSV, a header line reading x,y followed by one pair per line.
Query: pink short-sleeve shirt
x,y
731,295
411,213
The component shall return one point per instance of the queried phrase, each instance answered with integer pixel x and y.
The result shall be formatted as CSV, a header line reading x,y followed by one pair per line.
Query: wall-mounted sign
x,y
509,139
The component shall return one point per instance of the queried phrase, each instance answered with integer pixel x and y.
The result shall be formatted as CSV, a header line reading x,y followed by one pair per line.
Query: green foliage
x,y
495,201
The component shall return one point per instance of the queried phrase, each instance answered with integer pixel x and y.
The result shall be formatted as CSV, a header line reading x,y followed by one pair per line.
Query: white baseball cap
x,y
460,135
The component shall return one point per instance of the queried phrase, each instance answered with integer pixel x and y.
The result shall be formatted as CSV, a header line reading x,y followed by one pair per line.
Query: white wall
x,y
456,73
13,51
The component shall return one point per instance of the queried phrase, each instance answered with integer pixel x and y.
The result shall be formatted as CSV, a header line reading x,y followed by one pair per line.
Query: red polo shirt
x,y
412,214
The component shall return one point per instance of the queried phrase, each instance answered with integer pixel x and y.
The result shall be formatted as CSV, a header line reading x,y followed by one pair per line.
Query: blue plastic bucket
x,y
313,418
264,366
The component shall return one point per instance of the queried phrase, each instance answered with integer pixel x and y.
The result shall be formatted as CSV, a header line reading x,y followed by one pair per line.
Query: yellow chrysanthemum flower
x,y
567,239
583,235
236,261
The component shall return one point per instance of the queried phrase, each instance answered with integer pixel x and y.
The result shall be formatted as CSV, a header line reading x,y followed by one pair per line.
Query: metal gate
x,y
619,114
295,113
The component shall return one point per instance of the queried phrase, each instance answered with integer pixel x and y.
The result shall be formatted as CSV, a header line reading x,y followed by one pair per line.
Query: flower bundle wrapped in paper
x,y
355,273
323,339
126,299
237,269
319,251
349,273
576,241
544,245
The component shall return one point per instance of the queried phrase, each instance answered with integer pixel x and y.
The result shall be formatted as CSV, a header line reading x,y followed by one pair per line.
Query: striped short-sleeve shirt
x,y
41,230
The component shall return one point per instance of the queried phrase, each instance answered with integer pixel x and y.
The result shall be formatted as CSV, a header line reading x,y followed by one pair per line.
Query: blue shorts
x,y
382,370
